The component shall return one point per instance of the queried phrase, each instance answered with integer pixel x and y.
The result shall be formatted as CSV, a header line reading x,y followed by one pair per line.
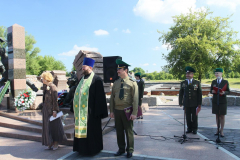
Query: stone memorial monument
x,y
16,61
98,66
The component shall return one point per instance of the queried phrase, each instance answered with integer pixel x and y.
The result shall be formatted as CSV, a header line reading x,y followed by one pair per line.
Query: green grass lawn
x,y
233,82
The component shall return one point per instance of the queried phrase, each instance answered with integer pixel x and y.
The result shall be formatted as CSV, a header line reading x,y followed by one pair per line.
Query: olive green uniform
x,y
117,106
222,99
193,96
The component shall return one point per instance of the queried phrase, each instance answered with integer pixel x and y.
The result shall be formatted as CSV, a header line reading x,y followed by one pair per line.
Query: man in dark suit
x,y
193,99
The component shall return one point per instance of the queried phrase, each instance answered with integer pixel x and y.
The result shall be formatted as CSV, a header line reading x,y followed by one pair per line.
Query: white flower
x,y
48,87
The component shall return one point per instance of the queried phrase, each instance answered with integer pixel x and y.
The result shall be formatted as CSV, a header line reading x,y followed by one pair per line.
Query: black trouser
x,y
192,118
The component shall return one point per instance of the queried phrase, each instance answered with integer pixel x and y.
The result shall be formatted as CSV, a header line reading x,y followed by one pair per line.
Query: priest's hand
x,y
54,114
222,93
112,115
133,117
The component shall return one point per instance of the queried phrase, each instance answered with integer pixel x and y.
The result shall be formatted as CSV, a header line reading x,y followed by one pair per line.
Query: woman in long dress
x,y
52,131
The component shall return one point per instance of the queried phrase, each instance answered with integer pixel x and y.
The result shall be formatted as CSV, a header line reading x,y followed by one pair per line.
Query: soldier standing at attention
x,y
124,94
193,99
141,85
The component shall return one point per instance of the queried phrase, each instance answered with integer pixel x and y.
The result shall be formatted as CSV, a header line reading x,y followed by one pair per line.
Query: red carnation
x,y
22,101
25,95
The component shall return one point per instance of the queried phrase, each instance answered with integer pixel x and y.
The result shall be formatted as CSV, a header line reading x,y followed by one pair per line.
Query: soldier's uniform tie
x,y
121,94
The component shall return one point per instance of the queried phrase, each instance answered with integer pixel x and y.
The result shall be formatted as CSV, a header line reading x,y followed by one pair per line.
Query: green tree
x,y
200,41
32,59
35,64
169,76
138,69
3,34
49,63
231,74
73,68
237,75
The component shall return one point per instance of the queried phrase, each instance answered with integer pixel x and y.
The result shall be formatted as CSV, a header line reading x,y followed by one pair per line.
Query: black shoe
x,y
118,153
188,131
138,117
129,155
194,132
141,117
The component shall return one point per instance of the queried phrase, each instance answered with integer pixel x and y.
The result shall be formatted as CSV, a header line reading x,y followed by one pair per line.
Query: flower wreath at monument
x,y
24,100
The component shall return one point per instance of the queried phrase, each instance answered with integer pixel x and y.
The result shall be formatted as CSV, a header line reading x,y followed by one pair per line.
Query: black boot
x,y
129,155
118,153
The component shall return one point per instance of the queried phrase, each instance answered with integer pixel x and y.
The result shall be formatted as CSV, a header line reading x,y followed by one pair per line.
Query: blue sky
x,y
126,28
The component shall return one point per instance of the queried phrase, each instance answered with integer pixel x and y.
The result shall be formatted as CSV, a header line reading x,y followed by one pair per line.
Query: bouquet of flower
x,y
24,100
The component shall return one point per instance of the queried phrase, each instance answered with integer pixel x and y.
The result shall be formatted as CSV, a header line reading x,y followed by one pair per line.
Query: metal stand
x,y
218,140
184,137
106,125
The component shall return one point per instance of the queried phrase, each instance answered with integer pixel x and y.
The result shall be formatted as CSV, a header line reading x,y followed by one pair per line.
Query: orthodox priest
x,y
89,106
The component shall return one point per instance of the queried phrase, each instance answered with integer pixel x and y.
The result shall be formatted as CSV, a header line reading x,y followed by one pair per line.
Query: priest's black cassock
x,y
97,110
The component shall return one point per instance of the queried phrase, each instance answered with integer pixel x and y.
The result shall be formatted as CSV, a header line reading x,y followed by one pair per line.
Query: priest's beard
x,y
86,72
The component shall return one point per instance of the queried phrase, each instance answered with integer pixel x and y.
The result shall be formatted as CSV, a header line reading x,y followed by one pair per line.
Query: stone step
x,y
19,134
20,118
15,124
31,121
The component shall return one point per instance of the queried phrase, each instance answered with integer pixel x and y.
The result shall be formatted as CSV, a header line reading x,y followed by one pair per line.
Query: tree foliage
x,y
138,69
35,64
202,42
158,76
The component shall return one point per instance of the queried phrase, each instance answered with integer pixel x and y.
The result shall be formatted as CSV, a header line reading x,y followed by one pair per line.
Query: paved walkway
x,y
231,135
155,139
162,124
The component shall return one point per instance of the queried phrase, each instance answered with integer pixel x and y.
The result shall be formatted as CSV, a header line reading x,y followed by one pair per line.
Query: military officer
x,y
193,99
124,94
220,82
141,85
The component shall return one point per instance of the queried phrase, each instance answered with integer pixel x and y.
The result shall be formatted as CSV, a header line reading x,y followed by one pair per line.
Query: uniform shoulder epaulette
x,y
131,79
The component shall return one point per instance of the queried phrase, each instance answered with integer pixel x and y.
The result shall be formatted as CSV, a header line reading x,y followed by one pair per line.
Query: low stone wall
x,y
150,100
33,79
231,101
173,92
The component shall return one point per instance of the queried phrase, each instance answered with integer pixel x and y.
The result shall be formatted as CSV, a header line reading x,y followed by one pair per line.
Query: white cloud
x,y
146,64
101,32
231,4
162,11
154,64
126,31
76,49
156,48
236,47
115,29
166,46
